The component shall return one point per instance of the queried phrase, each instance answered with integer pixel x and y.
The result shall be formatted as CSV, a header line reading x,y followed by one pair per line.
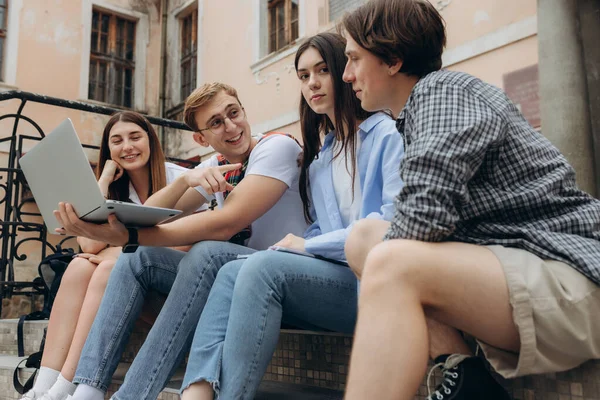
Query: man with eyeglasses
x,y
262,205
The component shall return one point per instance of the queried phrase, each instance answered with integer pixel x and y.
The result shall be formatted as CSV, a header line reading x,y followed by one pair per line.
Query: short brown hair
x,y
411,31
200,97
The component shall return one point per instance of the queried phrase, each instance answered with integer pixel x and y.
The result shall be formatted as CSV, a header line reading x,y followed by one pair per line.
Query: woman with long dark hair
x,y
131,167
349,171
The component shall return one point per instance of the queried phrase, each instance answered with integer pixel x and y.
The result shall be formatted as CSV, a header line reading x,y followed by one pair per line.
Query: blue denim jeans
x,y
188,277
239,328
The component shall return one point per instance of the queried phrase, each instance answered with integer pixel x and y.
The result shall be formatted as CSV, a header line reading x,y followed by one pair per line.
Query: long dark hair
x,y
119,189
347,111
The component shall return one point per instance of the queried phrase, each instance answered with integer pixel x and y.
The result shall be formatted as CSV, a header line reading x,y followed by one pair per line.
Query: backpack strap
x,y
34,316
20,346
23,388
33,361
266,135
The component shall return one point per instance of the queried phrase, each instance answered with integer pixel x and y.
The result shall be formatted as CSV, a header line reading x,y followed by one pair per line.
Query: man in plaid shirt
x,y
491,235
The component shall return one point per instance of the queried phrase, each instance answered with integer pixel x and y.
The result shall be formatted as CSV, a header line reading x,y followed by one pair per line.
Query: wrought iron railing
x,y
15,229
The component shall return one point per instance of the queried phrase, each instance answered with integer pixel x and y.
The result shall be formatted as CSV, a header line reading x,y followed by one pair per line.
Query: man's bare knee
x,y
390,265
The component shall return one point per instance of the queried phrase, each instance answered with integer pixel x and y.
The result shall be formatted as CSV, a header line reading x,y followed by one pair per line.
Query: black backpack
x,y
51,271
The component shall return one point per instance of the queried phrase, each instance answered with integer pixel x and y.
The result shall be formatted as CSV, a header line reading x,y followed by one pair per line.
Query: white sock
x,y
45,379
86,392
61,389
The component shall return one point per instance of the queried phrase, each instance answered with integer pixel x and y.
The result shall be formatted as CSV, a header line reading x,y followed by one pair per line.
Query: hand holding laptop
x,y
57,170
113,233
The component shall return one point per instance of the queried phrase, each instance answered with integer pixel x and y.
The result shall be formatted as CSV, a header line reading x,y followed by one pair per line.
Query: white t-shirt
x,y
172,172
341,169
276,157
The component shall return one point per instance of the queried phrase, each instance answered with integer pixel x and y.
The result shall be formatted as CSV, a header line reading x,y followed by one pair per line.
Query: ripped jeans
x,y
239,328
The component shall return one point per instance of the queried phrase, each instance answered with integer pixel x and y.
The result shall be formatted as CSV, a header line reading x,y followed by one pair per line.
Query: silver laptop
x,y
57,169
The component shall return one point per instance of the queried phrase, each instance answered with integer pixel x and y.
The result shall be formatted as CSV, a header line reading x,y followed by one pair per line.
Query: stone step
x,y
7,366
33,332
267,390
302,357
288,391
320,360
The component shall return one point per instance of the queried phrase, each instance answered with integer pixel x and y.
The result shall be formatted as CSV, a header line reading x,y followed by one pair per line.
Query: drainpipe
x,y
164,8
564,104
589,10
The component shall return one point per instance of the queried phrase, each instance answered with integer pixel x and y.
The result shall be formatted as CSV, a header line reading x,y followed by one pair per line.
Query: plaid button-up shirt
x,y
476,172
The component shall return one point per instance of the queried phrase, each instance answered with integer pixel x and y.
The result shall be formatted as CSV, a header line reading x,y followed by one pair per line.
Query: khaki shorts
x,y
556,310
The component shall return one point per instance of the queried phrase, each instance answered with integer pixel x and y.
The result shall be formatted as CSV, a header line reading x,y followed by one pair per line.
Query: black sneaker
x,y
465,378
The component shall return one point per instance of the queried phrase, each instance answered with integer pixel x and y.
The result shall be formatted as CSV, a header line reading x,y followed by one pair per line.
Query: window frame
x,y
115,63
11,45
261,56
142,39
288,31
3,39
173,98
191,56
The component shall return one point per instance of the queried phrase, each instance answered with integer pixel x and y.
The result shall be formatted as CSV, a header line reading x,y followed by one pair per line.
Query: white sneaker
x,y
32,395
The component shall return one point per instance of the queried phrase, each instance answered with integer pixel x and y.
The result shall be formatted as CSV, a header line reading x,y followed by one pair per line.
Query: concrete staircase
x,y
306,366
288,378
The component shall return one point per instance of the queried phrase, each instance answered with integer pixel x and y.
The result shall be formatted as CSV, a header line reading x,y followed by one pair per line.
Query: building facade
x,y
148,55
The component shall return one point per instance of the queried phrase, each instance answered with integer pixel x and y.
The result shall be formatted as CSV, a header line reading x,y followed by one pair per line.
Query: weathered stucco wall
x,y
485,38
52,49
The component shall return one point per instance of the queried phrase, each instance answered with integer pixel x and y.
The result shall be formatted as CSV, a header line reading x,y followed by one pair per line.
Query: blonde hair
x,y
200,97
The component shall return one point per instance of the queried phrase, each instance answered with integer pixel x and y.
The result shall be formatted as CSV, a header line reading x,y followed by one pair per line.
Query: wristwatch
x,y
132,244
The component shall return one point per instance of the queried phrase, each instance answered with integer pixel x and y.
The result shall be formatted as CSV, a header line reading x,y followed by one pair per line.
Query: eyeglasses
x,y
217,124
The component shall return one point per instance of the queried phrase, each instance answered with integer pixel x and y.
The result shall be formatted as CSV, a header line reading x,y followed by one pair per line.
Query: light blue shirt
x,y
378,166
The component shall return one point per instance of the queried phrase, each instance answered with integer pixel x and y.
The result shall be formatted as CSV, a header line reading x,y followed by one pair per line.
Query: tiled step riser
x,y
312,359
300,358
322,360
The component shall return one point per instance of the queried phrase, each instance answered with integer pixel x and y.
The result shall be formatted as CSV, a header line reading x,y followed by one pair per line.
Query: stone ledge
x,y
32,330
321,360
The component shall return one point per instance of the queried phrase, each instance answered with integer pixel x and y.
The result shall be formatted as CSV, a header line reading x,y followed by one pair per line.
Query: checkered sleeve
x,y
448,132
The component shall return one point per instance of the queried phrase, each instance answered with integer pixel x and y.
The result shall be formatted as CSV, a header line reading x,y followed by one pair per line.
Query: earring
x,y
390,73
